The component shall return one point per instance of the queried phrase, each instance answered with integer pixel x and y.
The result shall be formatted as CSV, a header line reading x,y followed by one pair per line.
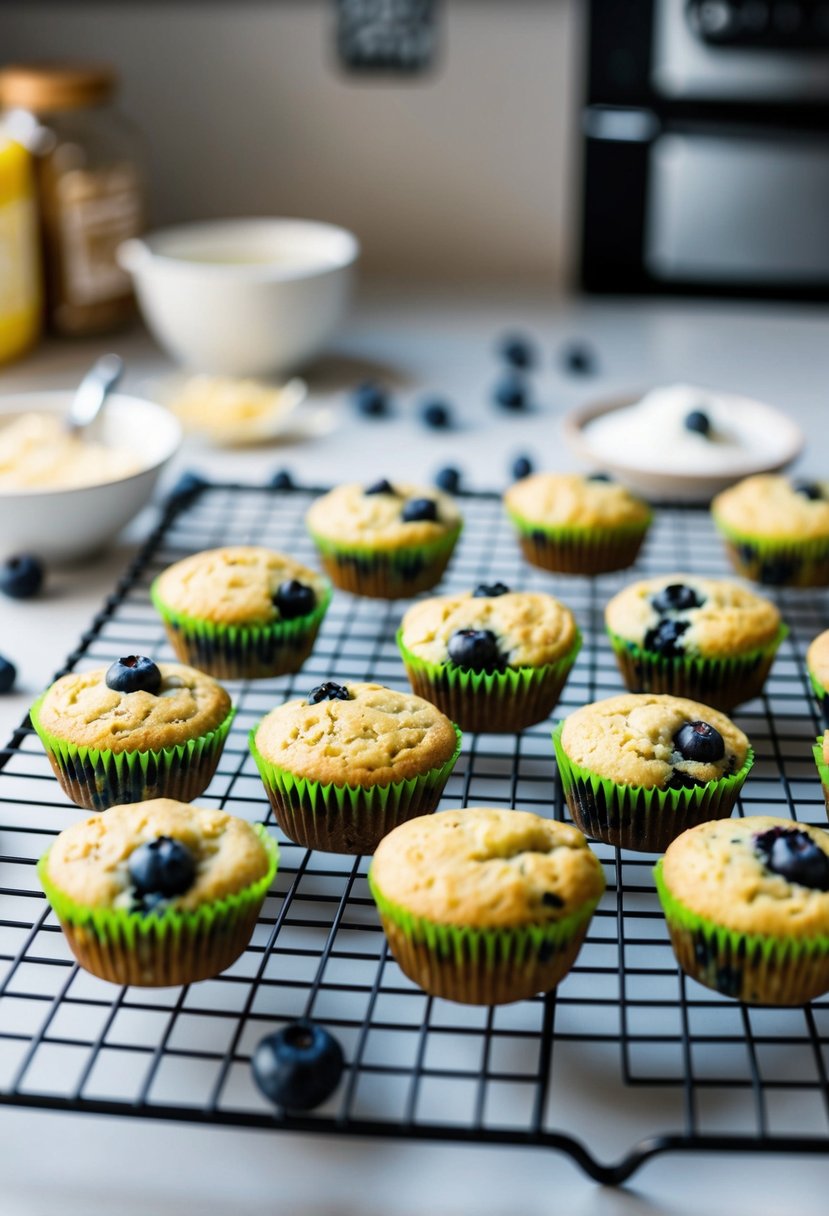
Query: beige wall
x,y
465,172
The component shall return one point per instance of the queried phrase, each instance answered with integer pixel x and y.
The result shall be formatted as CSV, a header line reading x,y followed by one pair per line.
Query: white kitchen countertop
x,y
421,341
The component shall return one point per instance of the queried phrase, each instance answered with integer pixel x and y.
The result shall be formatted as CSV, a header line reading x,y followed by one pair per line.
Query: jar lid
x,y
56,86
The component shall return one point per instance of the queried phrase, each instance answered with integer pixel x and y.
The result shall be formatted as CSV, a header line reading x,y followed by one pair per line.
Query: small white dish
x,y
66,524
246,297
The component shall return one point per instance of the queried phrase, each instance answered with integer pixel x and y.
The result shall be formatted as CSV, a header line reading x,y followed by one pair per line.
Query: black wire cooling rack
x,y
626,1060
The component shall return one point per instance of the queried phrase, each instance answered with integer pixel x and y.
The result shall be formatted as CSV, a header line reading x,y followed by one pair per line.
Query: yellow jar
x,y
20,294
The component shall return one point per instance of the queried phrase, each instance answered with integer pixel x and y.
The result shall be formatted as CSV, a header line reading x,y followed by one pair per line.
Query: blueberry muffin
x,y
160,892
492,659
776,531
132,731
344,765
747,906
577,525
638,769
817,662
242,612
383,540
708,639
485,906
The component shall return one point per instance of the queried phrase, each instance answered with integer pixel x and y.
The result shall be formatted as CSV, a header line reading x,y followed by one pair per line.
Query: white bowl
x,y
252,297
63,525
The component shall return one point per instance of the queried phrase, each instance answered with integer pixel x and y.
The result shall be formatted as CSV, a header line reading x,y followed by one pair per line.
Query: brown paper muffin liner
x,y
386,574
571,550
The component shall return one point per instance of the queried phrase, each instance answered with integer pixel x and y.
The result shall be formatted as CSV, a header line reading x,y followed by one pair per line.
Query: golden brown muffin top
x,y
769,506
348,515
556,499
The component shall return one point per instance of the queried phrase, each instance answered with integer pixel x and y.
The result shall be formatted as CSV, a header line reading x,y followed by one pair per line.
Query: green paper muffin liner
x,y
777,562
509,700
822,768
632,817
347,818
167,947
754,967
481,966
387,573
722,682
821,697
97,778
570,550
242,652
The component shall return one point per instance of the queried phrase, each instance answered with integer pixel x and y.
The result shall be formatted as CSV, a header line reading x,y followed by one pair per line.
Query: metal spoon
x,y
92,392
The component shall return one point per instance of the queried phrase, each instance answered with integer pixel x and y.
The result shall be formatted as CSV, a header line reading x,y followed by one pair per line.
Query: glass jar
x,y
20,294
90,184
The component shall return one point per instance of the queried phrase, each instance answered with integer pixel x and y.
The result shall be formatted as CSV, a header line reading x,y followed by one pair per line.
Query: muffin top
x,y
97,864
383,515
684,614
487,868
754,875
817,658
772,506
80,708
239,585
356,734
529,629
654,741
555,499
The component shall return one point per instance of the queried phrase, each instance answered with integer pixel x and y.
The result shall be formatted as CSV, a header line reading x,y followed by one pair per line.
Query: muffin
x,y
158,893
638,769
776,531
491,659
242,612
817,662
708,639
383,540
133,731
485,906
346,764
577,525
747,907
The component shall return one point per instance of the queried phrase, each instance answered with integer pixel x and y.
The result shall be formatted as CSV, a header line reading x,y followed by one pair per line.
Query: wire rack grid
x,y
628,1058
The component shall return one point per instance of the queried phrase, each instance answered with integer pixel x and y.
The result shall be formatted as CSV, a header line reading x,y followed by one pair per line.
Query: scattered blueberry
x,y
518,352
134,673
665,637
329,691
698,422
448,479
383,486
550,900
417,509
282,480
294,599
475,649
436,414
371,400
21,576
490,590
676,597
522,466
511,393
162,867
699,741
795,856
809,489
299,1066
578,359
187,486
599,477
8,675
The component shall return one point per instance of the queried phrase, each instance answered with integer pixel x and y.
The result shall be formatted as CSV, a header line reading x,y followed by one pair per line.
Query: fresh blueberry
x,y
436,414
665,638
329,691
700,742
474,649
490,589
294,599
299,1066
698,422
8,675
809,489
187,486
522,466
133,673
511,393
795,856
162,867
518,352
599,477
448,479
676,597
282,480
21,576
371,400
383,486
417,509
579,359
